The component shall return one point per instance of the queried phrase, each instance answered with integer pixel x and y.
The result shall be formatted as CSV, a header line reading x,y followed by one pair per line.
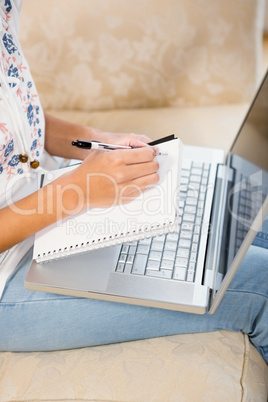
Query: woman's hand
x,y
107,178
129,139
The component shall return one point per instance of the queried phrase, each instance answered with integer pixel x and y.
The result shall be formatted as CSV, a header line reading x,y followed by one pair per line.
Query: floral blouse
x,y
22,127
21,118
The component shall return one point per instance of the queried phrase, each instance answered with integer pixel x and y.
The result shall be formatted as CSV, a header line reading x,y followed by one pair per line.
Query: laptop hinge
x,y
214,271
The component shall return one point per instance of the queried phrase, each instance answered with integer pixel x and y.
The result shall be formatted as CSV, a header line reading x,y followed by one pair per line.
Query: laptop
x,y
222,204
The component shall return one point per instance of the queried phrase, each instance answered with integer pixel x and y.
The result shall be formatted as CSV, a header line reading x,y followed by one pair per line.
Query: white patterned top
x,y
22,126
21,115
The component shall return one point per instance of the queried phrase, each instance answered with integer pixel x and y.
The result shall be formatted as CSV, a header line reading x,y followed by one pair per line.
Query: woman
x,y
27,136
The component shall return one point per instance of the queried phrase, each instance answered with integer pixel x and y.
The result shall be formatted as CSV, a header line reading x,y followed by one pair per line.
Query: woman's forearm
x,y
59,135
37,211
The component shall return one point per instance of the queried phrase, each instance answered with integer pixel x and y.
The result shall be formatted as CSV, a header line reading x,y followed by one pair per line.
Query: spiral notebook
x,y
152,213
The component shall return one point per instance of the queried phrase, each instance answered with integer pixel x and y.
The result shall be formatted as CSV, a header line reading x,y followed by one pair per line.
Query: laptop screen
x,y
251,142
248,159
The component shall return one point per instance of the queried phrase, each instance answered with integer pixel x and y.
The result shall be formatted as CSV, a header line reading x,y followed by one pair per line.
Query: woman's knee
x,y
252,275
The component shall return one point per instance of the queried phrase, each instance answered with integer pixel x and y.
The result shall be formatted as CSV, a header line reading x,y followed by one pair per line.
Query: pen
x,y
98,145
102,145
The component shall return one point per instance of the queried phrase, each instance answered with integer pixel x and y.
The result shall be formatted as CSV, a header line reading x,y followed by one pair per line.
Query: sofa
x,y
154,67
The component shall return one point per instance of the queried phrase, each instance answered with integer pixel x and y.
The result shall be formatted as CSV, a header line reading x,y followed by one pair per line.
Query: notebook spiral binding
x,y
106,242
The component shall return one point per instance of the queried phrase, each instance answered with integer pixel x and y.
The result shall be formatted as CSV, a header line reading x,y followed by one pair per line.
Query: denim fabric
x,y
35,321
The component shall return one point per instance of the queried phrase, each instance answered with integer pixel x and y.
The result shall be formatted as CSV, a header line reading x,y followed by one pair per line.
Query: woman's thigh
x,y
44,321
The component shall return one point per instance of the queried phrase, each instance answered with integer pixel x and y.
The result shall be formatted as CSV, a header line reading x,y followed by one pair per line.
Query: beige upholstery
x,y
220,366
153,67
114,54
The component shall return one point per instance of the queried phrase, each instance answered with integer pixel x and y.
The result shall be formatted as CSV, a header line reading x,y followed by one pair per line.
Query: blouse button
x,y
34,164
23,158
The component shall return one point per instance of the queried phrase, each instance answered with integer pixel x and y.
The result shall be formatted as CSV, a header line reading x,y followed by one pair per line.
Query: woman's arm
x,y
103,179
60,134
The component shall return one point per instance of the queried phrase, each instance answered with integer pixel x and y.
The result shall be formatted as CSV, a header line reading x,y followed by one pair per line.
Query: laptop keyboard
x,y
173,255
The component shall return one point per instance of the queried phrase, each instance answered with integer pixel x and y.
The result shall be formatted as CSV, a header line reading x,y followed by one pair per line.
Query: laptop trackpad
x,y
84,272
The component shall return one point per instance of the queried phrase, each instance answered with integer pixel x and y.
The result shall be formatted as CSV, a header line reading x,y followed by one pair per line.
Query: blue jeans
x,y
35,321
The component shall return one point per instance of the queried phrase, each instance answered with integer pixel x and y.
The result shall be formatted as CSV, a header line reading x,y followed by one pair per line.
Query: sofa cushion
x,y
119,54
219,366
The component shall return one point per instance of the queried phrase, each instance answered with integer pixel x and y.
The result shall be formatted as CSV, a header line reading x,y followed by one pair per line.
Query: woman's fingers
x,y
135,155
126,165
136,187
103,175
138,170
138,140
